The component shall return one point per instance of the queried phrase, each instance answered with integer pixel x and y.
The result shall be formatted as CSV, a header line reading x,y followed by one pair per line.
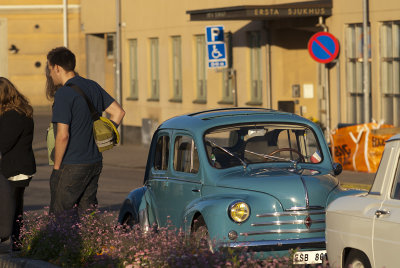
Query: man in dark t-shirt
x,y
77,161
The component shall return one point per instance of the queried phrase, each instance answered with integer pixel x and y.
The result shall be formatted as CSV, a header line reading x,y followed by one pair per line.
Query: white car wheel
x,y
357,259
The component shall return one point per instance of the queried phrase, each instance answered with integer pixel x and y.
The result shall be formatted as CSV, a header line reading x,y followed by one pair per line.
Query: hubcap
x,y
357,264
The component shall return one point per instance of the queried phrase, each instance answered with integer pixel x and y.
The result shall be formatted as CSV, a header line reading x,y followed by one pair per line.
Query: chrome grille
x,y
285,222
288,218
292,213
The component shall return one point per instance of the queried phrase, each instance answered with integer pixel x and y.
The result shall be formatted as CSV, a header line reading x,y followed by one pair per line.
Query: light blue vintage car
x,y
246,177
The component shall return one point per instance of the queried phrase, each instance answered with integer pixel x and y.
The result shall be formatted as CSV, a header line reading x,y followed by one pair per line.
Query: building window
x,y
154,70
201,69
227,77
110,45
390,70
254,39
133,73
354,73
177,68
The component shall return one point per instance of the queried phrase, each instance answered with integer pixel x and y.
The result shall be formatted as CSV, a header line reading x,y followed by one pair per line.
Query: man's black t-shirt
x,y
71,108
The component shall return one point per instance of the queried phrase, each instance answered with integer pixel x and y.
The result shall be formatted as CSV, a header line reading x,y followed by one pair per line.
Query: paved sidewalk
x,y
132,156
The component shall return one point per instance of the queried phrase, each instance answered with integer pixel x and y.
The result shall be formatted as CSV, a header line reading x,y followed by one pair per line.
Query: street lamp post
x,y
65,22
366,82
118,58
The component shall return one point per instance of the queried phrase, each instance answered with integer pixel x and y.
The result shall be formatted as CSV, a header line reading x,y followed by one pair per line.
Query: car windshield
x,y
235,145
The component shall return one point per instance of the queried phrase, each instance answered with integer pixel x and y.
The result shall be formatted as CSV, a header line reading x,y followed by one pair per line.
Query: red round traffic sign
x,y
323,47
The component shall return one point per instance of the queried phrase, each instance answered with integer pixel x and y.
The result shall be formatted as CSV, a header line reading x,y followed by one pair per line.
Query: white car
x,y
364,230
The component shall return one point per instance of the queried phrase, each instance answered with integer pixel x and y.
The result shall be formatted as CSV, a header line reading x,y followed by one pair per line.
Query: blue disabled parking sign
x,y
216,50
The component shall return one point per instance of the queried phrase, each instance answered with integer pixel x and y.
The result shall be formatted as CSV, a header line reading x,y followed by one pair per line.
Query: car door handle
x,y
196,190
380,213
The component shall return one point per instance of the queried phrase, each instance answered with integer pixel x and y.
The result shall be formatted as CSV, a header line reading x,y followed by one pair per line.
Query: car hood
x,y
293,188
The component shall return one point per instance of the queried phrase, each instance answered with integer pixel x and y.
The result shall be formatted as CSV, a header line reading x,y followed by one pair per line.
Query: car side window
x,y
161,154
185,155
395,194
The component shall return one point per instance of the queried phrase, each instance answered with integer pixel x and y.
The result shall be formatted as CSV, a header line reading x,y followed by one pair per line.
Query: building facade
x,y
151,55
28,30
164,58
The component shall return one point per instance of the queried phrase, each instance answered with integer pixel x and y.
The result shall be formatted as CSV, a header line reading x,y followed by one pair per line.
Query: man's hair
x,y
63,57
51,88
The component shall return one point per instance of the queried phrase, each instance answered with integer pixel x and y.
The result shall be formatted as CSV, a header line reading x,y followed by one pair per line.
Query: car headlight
x,y
239,211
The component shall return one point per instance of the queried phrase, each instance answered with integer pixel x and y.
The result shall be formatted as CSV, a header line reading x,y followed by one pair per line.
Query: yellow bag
x,y
105,134
51,142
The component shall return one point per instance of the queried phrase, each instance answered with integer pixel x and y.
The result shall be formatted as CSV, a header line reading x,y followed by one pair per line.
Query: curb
x,y
7,261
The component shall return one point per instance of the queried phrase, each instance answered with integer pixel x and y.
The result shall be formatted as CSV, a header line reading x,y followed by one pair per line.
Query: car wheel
x,y
357,259
127,215
128,220
200,234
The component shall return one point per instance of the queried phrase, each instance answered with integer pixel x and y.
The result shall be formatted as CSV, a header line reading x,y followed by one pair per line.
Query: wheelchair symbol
x,y
215,53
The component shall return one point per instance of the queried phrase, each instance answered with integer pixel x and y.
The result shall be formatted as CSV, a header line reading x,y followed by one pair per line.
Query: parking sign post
x,y
216,49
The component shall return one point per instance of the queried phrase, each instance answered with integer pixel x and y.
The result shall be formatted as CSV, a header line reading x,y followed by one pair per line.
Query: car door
x,y
184,184
158,178
386,235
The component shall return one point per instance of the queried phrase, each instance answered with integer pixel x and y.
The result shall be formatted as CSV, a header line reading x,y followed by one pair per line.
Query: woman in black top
x,y
17,158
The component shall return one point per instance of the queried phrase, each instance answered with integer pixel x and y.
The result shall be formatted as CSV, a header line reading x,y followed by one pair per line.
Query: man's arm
x,y
62,138
116,112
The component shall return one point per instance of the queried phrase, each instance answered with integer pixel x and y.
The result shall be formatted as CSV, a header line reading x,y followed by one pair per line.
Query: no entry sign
x,y
323,47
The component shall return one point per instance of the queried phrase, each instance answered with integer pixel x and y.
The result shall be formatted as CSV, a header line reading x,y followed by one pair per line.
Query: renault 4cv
x,y
246,177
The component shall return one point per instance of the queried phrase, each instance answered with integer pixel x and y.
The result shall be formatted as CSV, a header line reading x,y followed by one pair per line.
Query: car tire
x,y
127,220
200,233
127,215
357,259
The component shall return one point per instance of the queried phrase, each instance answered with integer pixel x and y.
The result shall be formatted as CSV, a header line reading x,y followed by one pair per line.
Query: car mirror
x,y
256,132
337,168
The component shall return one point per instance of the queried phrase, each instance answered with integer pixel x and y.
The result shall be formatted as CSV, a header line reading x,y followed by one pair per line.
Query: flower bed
x,y
95,240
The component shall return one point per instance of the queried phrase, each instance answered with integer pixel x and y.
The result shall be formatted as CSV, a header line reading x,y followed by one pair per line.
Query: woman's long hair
x,y
50,87
12,99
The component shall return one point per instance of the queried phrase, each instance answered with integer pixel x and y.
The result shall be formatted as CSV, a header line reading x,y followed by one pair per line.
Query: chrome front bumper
x,y
268,245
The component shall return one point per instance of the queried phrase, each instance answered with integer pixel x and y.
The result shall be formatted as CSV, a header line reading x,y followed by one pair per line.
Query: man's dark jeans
x,y
74,184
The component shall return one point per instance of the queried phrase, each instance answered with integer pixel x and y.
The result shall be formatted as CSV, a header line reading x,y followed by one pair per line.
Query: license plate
x,y
309,257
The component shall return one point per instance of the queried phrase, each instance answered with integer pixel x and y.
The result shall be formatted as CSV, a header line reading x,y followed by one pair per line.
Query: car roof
x,y
203,120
